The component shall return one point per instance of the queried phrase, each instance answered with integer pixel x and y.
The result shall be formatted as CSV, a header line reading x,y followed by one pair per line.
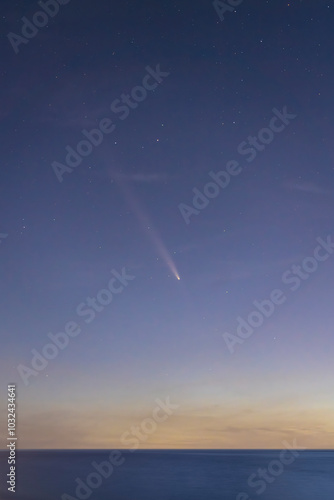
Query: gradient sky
x,y
163,337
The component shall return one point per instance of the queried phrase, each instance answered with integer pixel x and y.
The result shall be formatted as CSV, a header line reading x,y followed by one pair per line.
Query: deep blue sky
x,y
120,208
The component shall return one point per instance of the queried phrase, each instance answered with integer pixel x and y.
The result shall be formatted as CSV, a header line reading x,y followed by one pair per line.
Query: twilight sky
x,y
176,98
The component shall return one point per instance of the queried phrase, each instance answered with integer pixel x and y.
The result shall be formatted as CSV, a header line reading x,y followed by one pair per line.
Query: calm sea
x,y
171,475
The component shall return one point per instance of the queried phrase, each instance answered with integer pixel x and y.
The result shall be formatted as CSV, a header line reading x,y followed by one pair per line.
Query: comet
x,y
163,252
147,226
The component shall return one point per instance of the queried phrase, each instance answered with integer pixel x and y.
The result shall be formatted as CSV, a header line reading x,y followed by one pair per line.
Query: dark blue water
x,y
171,475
